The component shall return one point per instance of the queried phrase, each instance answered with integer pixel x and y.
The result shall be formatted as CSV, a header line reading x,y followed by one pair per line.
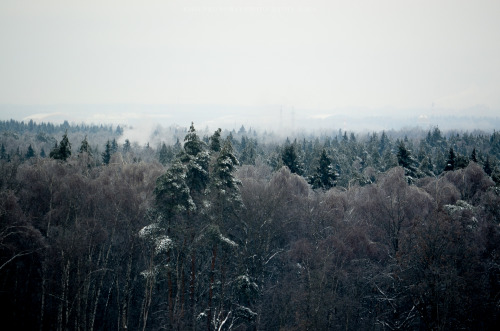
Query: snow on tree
x,y
408,162
172,194
291,159
325,176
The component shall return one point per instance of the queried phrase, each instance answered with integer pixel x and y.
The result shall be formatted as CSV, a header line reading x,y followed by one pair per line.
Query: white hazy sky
x,y
322,55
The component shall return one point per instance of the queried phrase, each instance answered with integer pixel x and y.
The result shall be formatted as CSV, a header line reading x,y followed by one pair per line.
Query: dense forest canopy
x,y
244,230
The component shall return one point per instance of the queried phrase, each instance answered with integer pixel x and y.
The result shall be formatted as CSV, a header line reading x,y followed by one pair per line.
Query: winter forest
x,y
248,230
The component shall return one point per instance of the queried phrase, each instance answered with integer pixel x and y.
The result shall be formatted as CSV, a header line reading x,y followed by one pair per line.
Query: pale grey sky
x,y
323,56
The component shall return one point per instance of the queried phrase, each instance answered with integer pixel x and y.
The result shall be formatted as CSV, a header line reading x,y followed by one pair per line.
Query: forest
x,y
248,230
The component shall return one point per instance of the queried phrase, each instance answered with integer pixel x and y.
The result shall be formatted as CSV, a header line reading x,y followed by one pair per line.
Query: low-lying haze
x,y
285,64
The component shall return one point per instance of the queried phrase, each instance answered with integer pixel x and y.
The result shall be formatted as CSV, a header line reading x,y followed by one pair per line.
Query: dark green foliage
x,y
325,176
114,146
215,141
30,153
85,147
461,161
172,195
488,169
106,155
291,159
165,155
450,162
224,168
406,160
473,156
63,151
192,143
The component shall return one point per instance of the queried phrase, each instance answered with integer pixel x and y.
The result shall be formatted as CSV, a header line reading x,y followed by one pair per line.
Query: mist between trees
x,y
238,230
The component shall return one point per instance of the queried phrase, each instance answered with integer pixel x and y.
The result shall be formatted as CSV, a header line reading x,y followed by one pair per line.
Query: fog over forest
x,y
249,165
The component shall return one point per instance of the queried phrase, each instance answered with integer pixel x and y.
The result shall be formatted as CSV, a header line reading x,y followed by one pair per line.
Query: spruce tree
x,y
406,160
291,159
223,180
473,156
114,146
325,176
30,153
450,162
487,167
196,160
106,155
85,147
126,146
172,194
164,156
192,143
63,151
215,141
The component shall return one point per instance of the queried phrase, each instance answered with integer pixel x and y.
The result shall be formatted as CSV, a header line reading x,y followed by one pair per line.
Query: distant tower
x,y
293,118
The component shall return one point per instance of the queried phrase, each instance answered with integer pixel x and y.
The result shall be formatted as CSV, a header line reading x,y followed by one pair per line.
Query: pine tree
x,y
106,155
461,161
406,160
325,176
473,156
450,162
223,180
114,146
291,159
215,141
85,147
172,194
487,167
30,153
196,160
126,146
63,151
192,143
164,155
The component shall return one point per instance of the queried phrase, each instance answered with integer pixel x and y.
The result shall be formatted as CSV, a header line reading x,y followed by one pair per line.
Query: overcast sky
x,y
323,56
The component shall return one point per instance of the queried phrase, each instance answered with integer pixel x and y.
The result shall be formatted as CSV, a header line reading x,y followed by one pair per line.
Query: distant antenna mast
x,y
293,118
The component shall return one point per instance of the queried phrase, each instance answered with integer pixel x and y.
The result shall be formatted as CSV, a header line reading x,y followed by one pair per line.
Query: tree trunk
x,y
210,289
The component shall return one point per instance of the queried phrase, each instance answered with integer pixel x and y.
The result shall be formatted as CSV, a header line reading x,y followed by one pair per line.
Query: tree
x,y
409,164
63,151
114,146
196,160
126,146
473,156
215,141
106,155
192,143
325,176
3,153
85,147
30,153
163,155
450,162
291,159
